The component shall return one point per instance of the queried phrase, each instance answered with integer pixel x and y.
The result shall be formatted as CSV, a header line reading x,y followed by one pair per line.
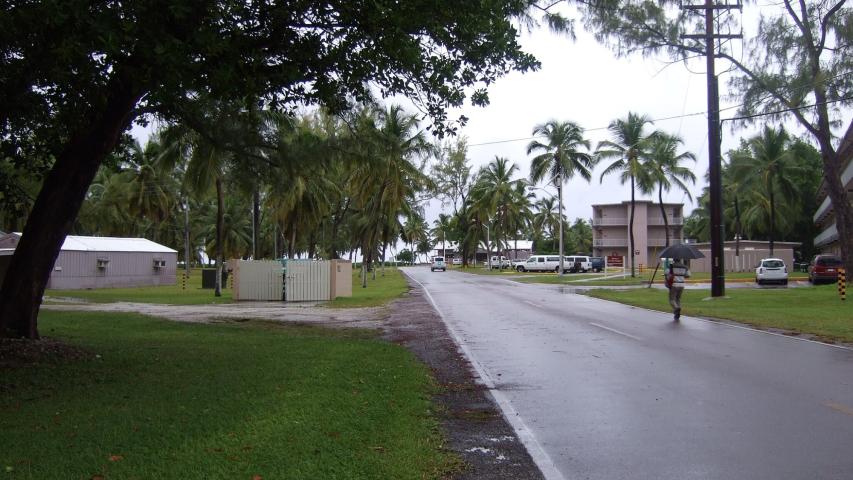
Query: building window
x,y
102,263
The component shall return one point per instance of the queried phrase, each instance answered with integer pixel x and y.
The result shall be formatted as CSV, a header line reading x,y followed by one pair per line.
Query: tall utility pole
x,y
718,272
560,196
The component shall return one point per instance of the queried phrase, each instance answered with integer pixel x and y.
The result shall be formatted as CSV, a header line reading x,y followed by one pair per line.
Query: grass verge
x,y
640,279
813,310
191,401
193,294
378,292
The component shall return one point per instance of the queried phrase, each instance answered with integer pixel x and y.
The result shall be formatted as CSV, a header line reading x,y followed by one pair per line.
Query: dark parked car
x,y
824,268
597,264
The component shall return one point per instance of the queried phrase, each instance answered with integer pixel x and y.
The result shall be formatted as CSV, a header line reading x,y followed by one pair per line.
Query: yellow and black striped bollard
x,y
184,281
842,283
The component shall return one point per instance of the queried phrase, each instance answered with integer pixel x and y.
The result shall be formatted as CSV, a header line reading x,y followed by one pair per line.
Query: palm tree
x,y
414,230
627,147
152,188
662,159
492,193
547,217
767,166
441,226
519,213
386,182
207,162
561,159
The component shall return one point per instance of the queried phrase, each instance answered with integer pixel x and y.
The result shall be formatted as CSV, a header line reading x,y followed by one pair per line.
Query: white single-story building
x,y
103,262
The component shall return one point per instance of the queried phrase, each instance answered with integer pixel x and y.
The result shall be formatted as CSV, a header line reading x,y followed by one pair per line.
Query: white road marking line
x,y
533,304
525,435
616,331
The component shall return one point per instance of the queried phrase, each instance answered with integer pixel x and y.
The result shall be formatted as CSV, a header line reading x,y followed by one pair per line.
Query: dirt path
x,y
277,311
473,423
475,428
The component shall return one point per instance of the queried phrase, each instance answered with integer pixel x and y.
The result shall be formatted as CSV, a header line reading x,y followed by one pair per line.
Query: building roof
x,y
751,243
522,244
628,202
79,243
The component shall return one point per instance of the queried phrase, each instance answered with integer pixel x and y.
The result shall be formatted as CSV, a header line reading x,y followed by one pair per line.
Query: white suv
x,y
771,270
438,264
542,263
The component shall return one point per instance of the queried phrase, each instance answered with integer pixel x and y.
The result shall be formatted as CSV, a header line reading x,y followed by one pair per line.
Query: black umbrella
x,y
682,250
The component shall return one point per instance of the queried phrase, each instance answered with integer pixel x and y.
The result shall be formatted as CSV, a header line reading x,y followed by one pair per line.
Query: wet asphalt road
x,y
616,392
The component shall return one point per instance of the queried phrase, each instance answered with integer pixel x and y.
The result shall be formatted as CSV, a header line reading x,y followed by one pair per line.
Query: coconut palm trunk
x,y
220,220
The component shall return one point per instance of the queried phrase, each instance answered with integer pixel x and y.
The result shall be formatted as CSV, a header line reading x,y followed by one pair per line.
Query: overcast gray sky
x,y
584,82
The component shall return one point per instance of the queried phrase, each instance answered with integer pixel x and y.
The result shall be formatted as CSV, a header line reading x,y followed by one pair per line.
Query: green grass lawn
x,y
193,294
194,401
378,292
815,310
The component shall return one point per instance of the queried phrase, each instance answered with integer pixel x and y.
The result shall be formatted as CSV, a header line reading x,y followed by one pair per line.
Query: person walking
x,y
675,276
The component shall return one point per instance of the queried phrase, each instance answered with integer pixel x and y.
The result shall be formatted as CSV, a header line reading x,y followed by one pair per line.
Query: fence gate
x,y
258,280
307,280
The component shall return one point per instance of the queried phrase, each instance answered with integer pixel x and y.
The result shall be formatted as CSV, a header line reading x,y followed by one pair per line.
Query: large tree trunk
x,y
631,228
832,160
57,205
220,221
840,204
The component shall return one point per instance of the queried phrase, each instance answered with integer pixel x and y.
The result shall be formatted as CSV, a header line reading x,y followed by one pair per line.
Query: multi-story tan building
x,y
610,229
827,240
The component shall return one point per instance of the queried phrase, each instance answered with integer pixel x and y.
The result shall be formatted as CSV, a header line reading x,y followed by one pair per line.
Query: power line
x,y
675,117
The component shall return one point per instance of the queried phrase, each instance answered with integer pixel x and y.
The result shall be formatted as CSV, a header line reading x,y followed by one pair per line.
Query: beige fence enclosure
x,y
341,279
298,281
307,280
257,279
751,253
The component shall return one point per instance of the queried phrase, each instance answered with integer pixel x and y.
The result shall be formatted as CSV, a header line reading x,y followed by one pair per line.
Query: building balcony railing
x,y
609,221
671,221
660,242
826,205
822,210
610,242
829,235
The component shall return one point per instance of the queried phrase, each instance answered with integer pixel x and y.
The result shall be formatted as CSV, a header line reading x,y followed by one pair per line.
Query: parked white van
x,y
543,263
578,263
